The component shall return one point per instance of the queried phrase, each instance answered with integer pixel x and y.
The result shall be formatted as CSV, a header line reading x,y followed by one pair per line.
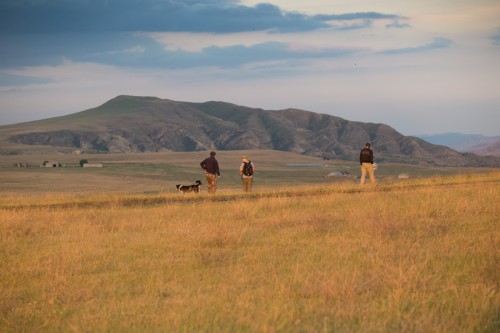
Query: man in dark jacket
x,y
211,167
366,161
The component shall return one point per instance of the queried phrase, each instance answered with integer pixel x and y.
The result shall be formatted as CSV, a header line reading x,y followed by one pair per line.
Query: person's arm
x,y
202,164
241,168
371,156
217,168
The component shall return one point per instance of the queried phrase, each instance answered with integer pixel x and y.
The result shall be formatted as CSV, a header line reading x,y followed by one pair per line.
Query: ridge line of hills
x,y
472,143
150,124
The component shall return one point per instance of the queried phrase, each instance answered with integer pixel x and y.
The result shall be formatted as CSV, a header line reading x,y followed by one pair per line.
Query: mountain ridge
x,y
472,143
150,124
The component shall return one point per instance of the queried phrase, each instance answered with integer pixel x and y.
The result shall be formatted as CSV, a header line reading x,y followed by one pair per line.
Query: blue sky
x,y
422,67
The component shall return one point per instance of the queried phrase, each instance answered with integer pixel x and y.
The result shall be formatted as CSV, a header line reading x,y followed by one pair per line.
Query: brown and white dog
x,y
189,188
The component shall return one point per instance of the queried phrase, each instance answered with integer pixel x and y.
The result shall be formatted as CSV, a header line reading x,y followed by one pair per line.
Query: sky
x,y
421,67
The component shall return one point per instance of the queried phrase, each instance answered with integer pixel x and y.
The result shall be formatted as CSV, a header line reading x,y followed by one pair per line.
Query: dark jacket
x,y
366,156
210,165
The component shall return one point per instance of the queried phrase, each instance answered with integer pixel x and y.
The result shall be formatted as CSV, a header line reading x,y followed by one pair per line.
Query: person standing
x,y
211,167
246,171
366,161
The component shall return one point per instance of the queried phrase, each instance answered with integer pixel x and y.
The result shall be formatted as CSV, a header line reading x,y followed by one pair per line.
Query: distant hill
x,y
473,143
487,149
150,124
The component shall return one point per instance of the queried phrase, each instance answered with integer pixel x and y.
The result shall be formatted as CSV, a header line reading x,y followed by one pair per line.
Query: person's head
x,y
244,158
367,145
212,153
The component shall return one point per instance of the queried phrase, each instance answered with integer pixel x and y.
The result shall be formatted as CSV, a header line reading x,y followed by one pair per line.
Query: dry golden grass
x,y
417,256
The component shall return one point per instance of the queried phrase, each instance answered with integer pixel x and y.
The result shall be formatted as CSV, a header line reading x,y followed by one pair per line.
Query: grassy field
x,y
419,255
160,172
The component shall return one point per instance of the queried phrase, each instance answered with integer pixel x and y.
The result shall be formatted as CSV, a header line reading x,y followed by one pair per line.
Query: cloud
x,y
78,16
397,24
155,56
52,49
237,55
147,15
142,51
360,20
356,16
496,38
437,43
7,80
121,32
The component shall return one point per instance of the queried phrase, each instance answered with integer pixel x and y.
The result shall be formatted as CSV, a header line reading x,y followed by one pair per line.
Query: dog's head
x,y
198,182
177,186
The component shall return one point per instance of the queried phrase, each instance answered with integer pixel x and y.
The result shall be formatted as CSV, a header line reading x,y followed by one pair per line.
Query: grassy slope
x,y
416,256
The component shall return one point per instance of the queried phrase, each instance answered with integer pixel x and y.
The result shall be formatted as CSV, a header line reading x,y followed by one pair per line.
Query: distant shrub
x,y
83,161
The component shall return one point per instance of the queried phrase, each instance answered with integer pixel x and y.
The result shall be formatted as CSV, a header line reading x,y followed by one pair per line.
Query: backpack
x,y
247,168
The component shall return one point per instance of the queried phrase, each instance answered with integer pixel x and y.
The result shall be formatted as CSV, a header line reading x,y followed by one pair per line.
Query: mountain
x,y
473,143
150,124
492,149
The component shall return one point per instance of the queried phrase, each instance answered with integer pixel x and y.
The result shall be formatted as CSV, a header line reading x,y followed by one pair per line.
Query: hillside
x,y
149,124
472,143
487,149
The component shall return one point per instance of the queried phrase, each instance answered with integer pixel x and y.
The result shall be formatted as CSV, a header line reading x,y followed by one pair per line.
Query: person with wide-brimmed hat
x,y
247,169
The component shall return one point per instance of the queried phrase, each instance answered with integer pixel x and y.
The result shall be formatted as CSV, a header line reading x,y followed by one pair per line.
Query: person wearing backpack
x,y
246,171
